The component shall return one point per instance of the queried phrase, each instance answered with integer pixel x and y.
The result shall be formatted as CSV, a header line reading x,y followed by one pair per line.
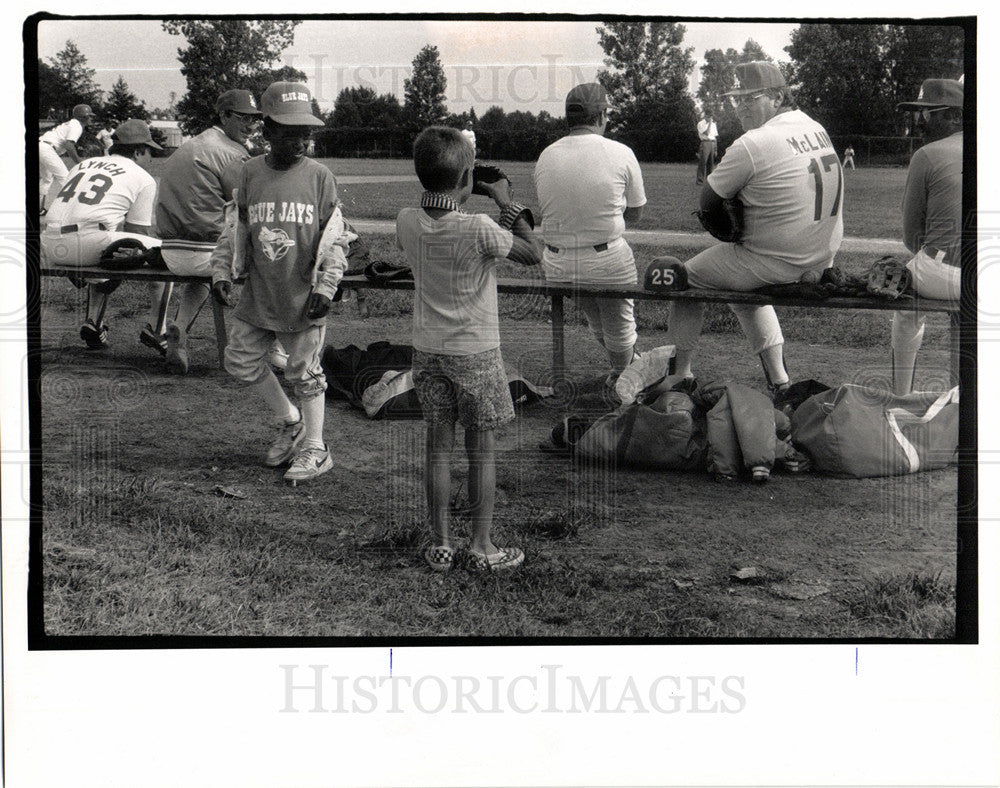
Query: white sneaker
x,y
309,464
286,444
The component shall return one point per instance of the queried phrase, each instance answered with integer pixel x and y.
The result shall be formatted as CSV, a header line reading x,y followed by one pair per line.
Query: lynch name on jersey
x,y
292,212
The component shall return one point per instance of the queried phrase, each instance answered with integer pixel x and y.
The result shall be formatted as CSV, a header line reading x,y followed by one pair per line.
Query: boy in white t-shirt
x,y
53,144
458,372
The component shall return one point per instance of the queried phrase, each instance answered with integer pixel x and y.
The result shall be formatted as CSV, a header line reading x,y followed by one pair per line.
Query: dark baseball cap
x,y
756,76
936,93
586,98
135,132
81,111
290,104
241,101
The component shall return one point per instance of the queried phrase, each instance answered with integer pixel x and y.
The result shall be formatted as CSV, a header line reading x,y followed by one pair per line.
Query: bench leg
x,y
558,342
219,315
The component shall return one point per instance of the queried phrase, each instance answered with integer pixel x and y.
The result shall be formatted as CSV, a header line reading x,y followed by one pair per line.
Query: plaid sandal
x,y
440,558
504,558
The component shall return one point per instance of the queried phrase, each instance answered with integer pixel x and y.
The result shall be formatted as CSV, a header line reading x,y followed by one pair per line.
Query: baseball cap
x,y
237,101
936,93
586,98
290,104
135,132
83,111
756,76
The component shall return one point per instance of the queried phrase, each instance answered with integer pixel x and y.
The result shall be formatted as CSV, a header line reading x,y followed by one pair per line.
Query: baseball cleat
x,y
286,444
309,464
151,340
177,357
96,338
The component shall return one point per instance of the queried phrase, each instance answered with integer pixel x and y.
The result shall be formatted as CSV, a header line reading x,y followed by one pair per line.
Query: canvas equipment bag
x,y
858,431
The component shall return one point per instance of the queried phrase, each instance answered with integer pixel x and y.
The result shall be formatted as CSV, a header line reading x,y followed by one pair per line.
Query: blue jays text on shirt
x,y
293,212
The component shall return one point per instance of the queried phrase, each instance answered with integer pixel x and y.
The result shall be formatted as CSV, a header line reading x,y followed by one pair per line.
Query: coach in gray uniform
x,y
193,190
932,217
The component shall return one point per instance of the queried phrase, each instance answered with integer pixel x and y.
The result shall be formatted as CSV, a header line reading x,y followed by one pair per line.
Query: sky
x,y
527,66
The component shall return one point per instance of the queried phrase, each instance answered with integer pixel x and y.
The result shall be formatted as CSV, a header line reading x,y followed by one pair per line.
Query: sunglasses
x,y
244,117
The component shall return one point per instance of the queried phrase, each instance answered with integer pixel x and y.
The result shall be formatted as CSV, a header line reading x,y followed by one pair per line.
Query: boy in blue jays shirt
x,y
290,240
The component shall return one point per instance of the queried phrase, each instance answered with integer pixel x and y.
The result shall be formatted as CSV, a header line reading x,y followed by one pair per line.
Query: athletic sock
x,y
158,308
313,413
774,365
276,399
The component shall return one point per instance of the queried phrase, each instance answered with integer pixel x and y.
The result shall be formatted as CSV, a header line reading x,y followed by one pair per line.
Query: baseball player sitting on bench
x,y
55,142
932,217
458,371
194,188
99,196
787,176
290,240
589,188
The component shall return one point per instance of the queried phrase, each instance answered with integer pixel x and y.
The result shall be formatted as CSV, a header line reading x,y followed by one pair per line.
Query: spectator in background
x,y
708,134
105,138
470,135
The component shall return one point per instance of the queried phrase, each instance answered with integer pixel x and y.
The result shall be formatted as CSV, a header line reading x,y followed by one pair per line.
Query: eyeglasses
x,y
739,101
926,113
245,117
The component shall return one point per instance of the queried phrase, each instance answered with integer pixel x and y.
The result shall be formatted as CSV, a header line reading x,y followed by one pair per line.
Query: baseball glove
x,y
125,254
726,224
889,278
486,173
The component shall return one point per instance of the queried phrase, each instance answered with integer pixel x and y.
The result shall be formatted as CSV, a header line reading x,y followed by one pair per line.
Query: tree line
x,y
849,77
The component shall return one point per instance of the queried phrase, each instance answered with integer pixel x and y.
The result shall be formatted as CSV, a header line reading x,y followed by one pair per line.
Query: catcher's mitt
x,y
486,173
125,254
889,278
726,224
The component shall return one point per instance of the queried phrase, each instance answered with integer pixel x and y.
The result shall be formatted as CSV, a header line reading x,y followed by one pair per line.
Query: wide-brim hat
x,y
135,132
290,104
756,76
937,93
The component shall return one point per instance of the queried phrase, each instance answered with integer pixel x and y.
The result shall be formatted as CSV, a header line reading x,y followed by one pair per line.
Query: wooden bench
x,y
557,293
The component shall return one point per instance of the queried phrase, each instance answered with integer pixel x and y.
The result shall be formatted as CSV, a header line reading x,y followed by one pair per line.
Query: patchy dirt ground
x,y
133,458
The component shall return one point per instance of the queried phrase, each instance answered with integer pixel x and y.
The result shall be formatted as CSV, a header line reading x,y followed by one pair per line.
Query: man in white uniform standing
x,y
786,173
589,188
57,141
104,199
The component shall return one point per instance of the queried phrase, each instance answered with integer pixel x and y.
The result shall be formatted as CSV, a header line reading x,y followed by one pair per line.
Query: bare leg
x,y
437,479
480,446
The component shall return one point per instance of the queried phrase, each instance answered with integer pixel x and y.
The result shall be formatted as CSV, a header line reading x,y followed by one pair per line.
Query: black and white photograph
x,y
377,369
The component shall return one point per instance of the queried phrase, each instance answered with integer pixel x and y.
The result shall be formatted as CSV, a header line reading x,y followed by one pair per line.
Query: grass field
x,y
138,539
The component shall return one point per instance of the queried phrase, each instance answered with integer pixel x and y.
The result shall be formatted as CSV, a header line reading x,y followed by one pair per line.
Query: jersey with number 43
x,y
788,177
105,189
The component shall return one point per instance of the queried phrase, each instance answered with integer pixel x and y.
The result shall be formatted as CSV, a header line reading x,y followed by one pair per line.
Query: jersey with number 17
x,y
788,177
105,189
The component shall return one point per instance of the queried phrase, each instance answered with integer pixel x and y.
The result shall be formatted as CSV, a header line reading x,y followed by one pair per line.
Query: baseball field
x,y
159,517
